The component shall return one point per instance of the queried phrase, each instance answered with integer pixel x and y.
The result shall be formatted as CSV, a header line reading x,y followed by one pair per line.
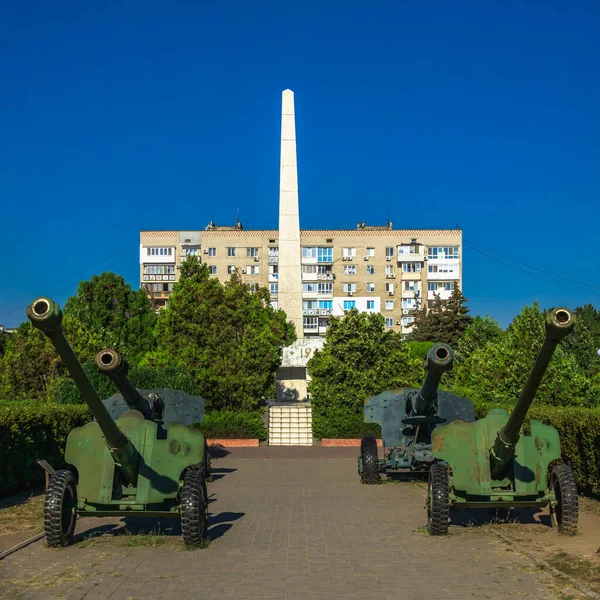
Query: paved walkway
x,y
286,523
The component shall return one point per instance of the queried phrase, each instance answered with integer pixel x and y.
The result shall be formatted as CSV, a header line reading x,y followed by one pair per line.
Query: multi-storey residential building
x,y
373,269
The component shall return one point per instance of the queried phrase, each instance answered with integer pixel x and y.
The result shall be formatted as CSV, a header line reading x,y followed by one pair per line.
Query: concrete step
x,y
290,425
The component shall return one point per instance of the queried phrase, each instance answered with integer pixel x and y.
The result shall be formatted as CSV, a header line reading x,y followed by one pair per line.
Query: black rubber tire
x,y
59,509
207,462
370,461
438,500
194,508
566,512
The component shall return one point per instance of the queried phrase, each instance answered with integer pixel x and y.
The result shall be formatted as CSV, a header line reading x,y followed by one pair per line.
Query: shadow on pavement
x,y
218,451
493,516
217,473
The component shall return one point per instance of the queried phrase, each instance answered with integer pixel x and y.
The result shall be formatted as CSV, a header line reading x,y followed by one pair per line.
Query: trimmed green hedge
x,y
30,431
578,428
33,430
231,424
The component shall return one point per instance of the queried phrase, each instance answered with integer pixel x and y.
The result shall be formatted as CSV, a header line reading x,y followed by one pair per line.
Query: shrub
x,y
342,423
230,424
31,431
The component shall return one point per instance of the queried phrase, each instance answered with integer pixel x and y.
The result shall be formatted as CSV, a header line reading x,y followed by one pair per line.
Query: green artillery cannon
x,y
491,464
128,467
407,418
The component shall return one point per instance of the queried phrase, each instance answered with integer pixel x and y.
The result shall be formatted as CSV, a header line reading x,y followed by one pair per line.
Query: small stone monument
x,y
292,377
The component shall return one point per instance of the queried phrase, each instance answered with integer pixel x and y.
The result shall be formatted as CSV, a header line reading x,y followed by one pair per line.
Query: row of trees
x,y
218,341
361,358
224,343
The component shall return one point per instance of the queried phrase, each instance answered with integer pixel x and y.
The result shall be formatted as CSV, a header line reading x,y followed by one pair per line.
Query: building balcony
x,y
410,293
453,276
443,294
316,312
405,256
309,276
273,277
411,276
327,276
273,259
450,259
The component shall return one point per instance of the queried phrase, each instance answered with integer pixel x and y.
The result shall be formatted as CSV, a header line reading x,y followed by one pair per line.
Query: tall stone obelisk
x,y
289,296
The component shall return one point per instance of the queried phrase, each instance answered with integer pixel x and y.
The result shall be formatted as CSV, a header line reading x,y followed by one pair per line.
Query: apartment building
x,y
373,269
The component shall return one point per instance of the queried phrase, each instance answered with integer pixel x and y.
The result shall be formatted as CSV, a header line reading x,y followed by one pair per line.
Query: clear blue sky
x,y
121,116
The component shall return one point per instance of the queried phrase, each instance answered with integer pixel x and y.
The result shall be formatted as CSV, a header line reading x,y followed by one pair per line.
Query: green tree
x,y
497,372
105,311
428,325
225,337
480,332
360,359
28,366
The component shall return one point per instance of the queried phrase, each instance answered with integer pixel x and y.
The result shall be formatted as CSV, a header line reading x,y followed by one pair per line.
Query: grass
x,y
47,578
577,567
22,513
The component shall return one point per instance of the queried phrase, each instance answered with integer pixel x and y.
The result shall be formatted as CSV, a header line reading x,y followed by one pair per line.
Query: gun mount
x,y
491,463
407,417
126,465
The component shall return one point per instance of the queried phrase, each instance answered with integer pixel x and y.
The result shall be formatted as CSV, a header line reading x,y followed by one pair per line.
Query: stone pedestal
x,y
292,378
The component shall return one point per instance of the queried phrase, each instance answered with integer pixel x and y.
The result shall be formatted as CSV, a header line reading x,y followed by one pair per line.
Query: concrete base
x,y
290,424
291,384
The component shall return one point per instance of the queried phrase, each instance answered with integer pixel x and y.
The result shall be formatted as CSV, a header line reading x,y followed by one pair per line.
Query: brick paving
x,y
286,523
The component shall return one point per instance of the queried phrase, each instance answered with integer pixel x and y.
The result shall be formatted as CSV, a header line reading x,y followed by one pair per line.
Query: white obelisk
x,y
289,296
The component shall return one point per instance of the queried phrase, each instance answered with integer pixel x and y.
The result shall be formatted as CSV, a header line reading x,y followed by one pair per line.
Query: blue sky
x,y
116,117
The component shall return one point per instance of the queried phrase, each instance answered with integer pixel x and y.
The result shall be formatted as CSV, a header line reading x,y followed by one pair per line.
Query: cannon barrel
x,y
439,360
559,323
46,316
110,363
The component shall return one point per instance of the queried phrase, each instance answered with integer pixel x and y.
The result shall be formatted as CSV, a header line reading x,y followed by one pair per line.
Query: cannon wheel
x,y
566,512
370,461
207,462
194,508
438,500
59,509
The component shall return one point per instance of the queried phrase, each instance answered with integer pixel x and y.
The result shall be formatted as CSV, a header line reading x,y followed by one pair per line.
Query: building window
x,y
326,288
389,270
212,251
191,251
160,251
442,268
325,254
370,252
370,304
349,304
273,288
349,287
411,267
251,252
309,304
159,269
389,287
309,287
370,270
309,269
407,320
274,251
442,252
230,251
253,287
349,269
389,305
449,286
348,252
389,252
389,322
212,269
252,270
409,303
230,269
408,249
370,287
324,269
311,323
325,304
308,252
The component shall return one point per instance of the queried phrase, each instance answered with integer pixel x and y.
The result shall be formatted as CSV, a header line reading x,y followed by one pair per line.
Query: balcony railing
x,y
316,312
